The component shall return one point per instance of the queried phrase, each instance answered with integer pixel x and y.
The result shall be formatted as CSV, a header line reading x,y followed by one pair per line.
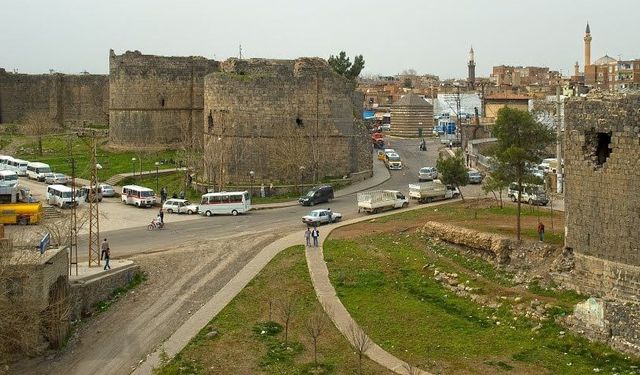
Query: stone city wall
x,y
156,101
602,204
67,99
275,116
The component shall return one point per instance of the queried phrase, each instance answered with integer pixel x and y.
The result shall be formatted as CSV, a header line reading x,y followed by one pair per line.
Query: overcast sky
x,y
429,36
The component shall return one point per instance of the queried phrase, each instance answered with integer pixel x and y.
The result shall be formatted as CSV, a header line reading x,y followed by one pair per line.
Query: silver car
x,y
427,174
57,179
475,177
107,190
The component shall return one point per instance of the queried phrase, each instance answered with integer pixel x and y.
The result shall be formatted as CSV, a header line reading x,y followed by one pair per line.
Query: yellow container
x,y
20,213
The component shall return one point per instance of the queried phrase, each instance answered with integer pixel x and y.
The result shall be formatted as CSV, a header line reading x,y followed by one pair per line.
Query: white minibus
x,y
233,202
8,178
4,162
19,166
138,196
60,195
38,171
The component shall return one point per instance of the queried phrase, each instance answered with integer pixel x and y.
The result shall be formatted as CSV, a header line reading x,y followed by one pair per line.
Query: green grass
x,y
249,340
428,325
57,151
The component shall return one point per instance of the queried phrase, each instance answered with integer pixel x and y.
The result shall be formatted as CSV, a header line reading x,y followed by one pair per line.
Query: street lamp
x,y
251,176
133,163
157,182
302,168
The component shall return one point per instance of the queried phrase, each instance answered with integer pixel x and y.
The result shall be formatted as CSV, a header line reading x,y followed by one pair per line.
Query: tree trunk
x,y
315,351
461,196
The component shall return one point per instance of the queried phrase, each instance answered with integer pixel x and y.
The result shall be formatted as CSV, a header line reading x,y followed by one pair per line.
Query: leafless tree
x,y
315,326
360,341
287,309
38,124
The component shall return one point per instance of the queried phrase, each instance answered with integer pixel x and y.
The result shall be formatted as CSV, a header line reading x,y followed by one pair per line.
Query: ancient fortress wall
x,y
602,202
68,99
156,101
275,116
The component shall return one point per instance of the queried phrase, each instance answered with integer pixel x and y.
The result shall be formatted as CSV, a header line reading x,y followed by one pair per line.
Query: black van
x,y
318,194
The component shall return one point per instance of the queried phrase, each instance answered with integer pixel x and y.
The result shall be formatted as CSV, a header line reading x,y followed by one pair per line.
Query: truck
x,y
16,208
378,200
377,139
426,192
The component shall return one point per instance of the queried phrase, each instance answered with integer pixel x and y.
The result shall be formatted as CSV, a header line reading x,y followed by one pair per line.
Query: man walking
x,y
541,231
161,215
307,236
103,248
315,234
107,256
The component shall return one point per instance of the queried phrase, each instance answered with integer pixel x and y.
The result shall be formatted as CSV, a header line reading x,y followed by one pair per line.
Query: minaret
x,y
587,47
472,69
577,69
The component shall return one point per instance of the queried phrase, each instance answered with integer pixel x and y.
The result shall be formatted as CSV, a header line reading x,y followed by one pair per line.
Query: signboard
x,y
44,243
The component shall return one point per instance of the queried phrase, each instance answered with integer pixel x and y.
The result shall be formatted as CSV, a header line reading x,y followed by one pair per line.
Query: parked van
x,y
38,171
83,193
532,194
60,195
19,166
318,194
4,162
232,202
138,196
8,178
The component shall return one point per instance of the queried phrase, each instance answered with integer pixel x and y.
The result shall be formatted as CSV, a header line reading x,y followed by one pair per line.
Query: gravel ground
x,y
179,281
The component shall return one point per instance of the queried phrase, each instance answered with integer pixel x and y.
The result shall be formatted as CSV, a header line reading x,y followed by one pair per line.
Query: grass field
x,y
385,283
250,337
57,151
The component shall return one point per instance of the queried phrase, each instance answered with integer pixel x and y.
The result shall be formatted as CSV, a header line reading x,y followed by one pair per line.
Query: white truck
x,y
378,200
432,190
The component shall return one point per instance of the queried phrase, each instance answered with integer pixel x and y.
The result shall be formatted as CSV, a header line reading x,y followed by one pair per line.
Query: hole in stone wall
x,y
162,102
210,121
597,147
299,122
603,151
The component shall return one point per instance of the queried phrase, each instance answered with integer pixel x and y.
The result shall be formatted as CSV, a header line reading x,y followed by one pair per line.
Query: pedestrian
x,y
315,234
107,257
189,180
262,194
307,236
174,196
450,144
541,231
270,188
103,248
161,215
181,195
163,194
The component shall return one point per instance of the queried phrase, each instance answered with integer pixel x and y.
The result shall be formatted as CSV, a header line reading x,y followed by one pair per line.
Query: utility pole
x,y
559,169
73,237
94,214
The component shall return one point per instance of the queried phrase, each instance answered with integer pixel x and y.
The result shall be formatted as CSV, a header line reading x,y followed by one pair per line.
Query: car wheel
x,y
429,200
207,213
189,212
170,211
234,213
405,205
513,198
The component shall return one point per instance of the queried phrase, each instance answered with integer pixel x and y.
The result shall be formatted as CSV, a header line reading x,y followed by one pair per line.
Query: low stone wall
x,y
86,293
360,176
496,247
614,323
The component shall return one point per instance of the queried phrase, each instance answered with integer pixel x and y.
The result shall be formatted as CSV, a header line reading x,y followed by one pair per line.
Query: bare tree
x,y
315,325
287,309
38,124
360,341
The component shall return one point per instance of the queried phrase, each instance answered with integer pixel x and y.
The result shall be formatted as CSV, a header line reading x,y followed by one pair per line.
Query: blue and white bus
x,y
225,202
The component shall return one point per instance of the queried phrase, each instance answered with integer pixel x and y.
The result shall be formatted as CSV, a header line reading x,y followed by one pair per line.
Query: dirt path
x,y
179,281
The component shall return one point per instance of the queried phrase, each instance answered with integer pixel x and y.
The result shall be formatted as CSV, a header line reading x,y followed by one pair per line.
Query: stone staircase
x,y
50,212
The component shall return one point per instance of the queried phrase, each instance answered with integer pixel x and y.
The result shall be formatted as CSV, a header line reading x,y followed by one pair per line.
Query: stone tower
x,y
472,69
587,47
576,69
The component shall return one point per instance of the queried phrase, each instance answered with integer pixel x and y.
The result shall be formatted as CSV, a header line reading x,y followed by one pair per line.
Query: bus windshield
x,y
146,194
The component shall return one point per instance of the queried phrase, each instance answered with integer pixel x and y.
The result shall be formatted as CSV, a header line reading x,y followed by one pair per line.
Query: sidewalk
x,y
380,175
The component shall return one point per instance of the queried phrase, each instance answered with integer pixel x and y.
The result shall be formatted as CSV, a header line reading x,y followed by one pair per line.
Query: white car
x,y
180,206
318,217
57,179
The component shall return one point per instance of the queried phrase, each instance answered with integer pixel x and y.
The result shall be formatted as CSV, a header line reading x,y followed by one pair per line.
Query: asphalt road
x,y
138,239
